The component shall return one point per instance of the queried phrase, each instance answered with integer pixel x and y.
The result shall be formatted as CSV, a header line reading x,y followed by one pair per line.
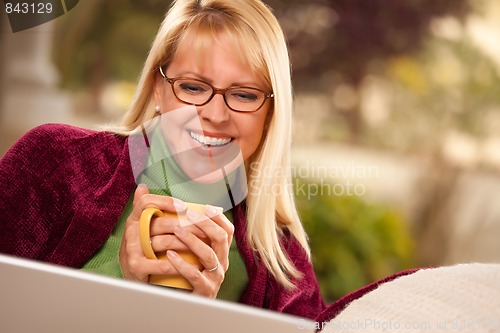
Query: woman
x,y
70,198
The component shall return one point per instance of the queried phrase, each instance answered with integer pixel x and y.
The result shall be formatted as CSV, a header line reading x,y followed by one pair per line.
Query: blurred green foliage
x,y
353,242
106,40
332,43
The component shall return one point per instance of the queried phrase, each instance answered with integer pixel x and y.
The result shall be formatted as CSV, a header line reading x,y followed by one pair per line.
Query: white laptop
x,y
37,297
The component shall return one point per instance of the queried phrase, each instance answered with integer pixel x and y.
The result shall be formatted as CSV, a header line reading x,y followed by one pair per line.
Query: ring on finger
x,y
213,269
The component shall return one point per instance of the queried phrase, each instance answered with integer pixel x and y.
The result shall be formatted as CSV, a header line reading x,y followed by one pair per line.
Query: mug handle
x,y
144,230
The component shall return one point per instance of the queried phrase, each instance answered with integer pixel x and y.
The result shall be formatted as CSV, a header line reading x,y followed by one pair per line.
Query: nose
x,y
215,111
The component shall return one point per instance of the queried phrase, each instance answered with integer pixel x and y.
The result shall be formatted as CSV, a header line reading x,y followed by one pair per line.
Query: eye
x,y
193,87
245,96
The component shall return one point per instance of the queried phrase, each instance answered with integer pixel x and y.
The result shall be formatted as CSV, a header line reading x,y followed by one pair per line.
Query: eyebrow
x,y
208,80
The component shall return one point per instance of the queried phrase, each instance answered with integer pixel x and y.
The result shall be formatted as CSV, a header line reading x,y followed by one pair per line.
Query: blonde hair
x,y
270,202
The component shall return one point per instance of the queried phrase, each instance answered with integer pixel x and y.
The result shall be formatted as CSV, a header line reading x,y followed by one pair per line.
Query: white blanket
x,y
461,298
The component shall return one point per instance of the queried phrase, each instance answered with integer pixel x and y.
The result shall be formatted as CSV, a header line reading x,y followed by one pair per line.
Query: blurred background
x,y
396,152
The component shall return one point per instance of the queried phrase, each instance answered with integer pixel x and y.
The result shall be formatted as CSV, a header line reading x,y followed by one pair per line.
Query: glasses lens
x,y
192,91
245,99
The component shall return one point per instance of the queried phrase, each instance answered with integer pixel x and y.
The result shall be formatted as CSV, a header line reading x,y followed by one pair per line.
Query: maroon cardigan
x,y
63,188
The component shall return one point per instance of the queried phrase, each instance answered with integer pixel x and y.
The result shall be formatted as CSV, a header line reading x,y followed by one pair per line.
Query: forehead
x,y
198,41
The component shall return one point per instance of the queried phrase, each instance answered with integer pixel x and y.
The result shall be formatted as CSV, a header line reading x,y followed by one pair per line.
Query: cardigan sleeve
x,y
29,196
62,189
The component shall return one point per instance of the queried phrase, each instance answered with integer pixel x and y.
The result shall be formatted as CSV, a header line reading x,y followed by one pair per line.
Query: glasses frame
x,y
215,91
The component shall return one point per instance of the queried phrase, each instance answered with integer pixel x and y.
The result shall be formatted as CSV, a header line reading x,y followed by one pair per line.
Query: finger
x,y
141,190
209,256
218,217
161,202
134,265
198,280
220,238
197,246
166,225
162,243
153,267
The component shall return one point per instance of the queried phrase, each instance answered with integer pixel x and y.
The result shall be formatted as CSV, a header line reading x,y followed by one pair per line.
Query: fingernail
x,y
225,219
179,205
171,254
142,185
194,216
213,211
180,231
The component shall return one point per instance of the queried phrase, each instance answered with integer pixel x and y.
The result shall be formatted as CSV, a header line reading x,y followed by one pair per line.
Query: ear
x,y
159,90
269,117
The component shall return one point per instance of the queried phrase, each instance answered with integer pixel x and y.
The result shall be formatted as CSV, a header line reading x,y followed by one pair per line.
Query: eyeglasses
x,y
197,92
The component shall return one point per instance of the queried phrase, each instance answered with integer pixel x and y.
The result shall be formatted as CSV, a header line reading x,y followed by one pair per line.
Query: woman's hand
x,y
167,235
135,265
213,257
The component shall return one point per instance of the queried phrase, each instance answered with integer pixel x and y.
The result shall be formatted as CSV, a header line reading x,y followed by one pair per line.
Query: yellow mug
x,y
174,281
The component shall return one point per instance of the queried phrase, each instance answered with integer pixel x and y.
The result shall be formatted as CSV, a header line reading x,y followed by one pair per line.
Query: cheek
x,y
251,135
170,103
167,100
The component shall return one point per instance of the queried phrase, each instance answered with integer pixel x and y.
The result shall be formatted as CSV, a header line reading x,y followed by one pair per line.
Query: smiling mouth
x,y
209,141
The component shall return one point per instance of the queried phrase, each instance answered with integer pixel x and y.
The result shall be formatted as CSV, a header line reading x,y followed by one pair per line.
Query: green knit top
x,y
161,174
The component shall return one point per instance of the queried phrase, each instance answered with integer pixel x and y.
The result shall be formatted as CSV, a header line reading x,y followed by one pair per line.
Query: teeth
x,y
206,140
